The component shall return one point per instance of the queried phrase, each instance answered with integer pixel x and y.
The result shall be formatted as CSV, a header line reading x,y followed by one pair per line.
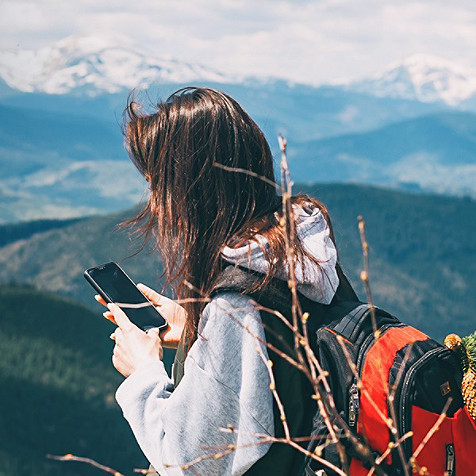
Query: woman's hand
x,y
133,346
172,312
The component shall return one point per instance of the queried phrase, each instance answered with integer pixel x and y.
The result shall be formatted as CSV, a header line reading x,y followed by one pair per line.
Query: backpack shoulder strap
x,y
345,291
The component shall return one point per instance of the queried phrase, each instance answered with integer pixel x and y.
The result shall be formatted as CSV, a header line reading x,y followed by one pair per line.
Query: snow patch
x,y
422,77
93,66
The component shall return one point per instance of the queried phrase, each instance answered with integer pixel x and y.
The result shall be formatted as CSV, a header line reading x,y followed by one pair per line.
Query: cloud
x,y
302,40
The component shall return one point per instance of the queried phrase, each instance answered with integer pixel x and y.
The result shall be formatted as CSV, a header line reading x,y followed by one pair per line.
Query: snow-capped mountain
x,y
92,66
421,77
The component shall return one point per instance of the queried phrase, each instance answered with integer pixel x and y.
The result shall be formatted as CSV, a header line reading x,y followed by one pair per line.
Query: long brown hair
x,y
195,205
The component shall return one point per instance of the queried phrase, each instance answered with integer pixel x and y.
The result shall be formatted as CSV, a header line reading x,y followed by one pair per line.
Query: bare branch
x,y
364,275
390,447
272,386
246,172
91,462
264,439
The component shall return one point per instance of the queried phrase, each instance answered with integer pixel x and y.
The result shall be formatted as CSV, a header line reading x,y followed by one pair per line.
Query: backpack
x,y
423,377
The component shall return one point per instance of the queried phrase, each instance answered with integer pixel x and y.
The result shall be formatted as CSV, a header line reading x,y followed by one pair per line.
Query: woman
x,y
212,208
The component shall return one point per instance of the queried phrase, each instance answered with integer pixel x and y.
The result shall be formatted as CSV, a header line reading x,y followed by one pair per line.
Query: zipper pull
x,y
353,404
450,460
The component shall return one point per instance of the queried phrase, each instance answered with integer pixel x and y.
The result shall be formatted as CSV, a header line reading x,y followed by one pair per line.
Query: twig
x,y
289,226
264,439
246,172
144,471
364,275
272,387
390,447
394,431
91,462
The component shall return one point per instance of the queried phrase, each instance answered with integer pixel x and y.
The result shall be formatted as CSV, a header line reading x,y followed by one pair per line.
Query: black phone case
x,y
107,298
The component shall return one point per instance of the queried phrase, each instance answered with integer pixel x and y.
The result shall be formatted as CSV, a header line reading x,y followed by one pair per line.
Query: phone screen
x,y
115,286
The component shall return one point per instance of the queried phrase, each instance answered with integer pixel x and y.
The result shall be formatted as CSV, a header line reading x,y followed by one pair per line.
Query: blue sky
x,y
301,40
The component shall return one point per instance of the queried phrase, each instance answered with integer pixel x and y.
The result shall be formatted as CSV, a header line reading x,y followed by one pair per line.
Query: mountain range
x,y
93,65
434,152
90,66
411,126
420,248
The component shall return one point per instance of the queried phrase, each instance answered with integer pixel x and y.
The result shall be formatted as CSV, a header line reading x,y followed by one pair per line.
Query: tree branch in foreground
x,y
90,461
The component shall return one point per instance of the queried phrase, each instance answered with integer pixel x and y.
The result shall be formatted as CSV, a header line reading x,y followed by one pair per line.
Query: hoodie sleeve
x,y
225,383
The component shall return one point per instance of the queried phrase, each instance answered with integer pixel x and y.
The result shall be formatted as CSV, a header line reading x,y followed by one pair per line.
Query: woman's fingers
x,y
133,347
120,317
172,312
109,316
153,296
100,300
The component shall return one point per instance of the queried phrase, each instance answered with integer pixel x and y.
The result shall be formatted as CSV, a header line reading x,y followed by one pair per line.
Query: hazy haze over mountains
x,y
339,78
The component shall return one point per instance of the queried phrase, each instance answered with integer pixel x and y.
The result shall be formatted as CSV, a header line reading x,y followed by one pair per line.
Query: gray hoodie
x,y
225,380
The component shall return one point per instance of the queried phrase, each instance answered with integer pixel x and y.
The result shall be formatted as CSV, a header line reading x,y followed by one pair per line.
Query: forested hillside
x,y
422,250
57,388
23,230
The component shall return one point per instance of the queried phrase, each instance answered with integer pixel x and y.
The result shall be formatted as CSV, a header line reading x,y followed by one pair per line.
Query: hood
x,y
318,282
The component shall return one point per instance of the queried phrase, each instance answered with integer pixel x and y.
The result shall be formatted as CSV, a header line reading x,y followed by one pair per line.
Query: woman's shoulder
x,y
229,325
228,308
229,334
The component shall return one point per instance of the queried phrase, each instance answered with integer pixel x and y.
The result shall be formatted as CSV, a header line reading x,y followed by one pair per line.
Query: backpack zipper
x,y
354,397
354,393
404,395
450,460
353,404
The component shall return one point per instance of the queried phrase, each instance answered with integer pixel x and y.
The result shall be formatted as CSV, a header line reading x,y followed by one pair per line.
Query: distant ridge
x,y
24,230
432,153
422,250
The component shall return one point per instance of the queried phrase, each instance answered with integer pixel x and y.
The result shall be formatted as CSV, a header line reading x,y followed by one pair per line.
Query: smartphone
x,y
113,284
